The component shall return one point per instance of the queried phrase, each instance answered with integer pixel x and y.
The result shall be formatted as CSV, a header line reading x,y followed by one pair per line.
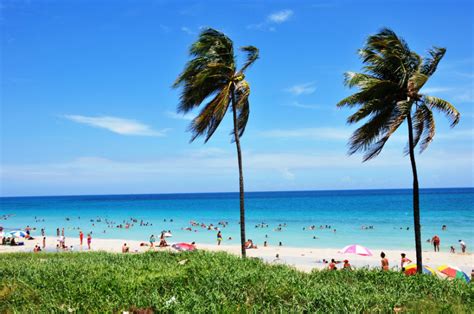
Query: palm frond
x,y
210,69
429,129
251,56
242,93
430,64
207,121
442,105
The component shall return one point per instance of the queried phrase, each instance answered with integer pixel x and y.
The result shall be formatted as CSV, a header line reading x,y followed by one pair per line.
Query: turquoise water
x,y
346,211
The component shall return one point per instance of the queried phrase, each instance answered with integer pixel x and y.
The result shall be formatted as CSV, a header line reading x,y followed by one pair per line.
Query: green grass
x,y
210,282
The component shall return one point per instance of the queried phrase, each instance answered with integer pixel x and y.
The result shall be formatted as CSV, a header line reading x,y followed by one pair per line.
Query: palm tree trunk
x,y
241,177
416,197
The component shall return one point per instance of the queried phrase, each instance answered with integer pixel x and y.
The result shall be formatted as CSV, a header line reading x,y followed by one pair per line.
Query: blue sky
x,y
87,108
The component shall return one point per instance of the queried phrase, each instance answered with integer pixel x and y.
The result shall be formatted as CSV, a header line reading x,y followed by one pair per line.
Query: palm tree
x,y
211,77
389,94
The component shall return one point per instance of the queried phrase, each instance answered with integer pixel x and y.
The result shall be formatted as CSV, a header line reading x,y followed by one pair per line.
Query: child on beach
x,y
384,262
405,260
152,241
219,238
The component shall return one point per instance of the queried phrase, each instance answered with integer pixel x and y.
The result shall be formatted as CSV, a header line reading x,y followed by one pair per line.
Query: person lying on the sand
x,y
249,244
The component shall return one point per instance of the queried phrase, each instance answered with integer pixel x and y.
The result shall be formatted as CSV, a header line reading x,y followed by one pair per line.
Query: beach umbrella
x,y
453,272
411,270
167,235
17,234
356,249
183,247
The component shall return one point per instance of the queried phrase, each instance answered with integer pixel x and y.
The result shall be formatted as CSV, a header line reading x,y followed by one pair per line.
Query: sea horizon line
x,y
234,192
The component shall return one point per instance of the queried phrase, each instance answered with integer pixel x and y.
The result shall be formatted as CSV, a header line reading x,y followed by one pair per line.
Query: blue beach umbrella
x,y
17,234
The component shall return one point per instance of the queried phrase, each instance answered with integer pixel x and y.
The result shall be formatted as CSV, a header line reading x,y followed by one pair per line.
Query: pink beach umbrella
x,y
356,249
183,247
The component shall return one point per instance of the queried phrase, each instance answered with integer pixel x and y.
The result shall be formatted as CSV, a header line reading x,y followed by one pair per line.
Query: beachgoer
x,y
347,265
436,241
405,260
162,240
219,238
125,248
332,265
463,246
62,232
57,232
249,244
89,240
453,250
280,244
384,262
443,227
81,237
265,243
152,241
44,242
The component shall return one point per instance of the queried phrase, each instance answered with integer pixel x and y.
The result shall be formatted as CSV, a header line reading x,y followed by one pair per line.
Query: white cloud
x,y
280,16
178,116
431,90
297,104
118,125
187,30
272,19
302,89
309,133
215,170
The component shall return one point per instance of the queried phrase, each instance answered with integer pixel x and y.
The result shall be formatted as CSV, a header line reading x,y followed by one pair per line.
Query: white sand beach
x,y
304,259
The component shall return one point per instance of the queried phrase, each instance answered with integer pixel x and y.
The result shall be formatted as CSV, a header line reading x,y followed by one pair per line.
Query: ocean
x,y
387,213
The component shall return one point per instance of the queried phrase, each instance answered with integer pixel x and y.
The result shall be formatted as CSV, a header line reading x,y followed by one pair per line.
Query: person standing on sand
x,y
463,246
436,241
57,232
44,242
219,237
89,240
384,262
81,237
152,241
405,260
62,232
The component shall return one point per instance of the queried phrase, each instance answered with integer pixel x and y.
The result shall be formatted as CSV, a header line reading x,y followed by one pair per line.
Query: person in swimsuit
x,y
152,241
384,262
125,248
347,265
89,240
405,261
81,237
219,237
332,265
436,241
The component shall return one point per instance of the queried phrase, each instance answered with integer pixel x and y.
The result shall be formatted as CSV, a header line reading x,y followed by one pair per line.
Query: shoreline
x,y
303,259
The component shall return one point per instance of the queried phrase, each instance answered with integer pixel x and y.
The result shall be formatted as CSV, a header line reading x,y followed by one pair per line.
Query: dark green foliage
x,y
210,282
390,91
212,74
